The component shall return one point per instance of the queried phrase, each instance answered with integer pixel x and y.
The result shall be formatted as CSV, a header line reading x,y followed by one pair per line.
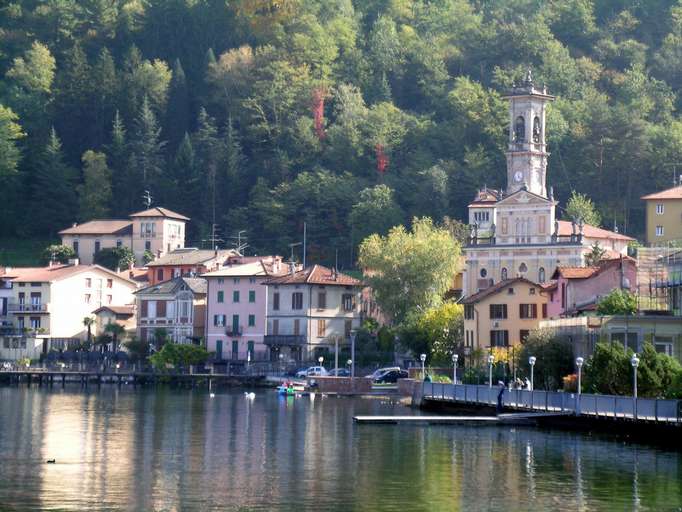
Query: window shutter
x,y
161,308
144,308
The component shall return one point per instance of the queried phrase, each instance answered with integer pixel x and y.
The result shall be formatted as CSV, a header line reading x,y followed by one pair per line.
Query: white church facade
x,y
515,232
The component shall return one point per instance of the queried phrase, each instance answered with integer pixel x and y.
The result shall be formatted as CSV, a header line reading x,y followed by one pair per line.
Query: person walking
x,y
499,397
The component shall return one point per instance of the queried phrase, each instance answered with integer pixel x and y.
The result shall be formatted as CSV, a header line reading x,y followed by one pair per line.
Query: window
x,y
503,274
531,291
110,283
523,268
87,298
88,282
499,338
527,311
541,275
523,334
235,323
119,243
159,274
347,300
221,280
35,322
275,327
660,209
219,320
235,296
97,246
629,341
252,320
252,280
275,301
498,311
321,328
20,322
297,327
147,245
659,230
221,296
321,300
510,291
347,328
297,300
483,272
544,311
664,345
481,216
252,295
249,347
109,299
235,280
235,349
75,247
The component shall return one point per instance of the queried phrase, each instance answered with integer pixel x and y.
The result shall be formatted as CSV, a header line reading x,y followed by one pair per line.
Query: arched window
x,y
541,275
520,129
536,130
484,272
504,274
523,268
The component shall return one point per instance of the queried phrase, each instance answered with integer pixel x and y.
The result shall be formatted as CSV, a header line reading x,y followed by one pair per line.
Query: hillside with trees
x,y
349,115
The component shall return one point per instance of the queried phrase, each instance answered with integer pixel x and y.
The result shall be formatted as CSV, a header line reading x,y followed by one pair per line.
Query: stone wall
x,y
342,384
412,389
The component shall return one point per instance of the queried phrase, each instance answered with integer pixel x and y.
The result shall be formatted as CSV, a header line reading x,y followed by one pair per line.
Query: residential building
x,y
237,305
177,307
515,232
503,314
5,294
121,315
309,310
187,262
48,305
664,216
584,332
578,289
156,230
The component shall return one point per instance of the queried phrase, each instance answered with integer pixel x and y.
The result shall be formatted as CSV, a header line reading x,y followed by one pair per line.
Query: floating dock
x,y
502,419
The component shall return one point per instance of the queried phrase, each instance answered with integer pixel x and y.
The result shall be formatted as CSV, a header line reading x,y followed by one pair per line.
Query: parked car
x,y
313,371
380,371
339,372
391,377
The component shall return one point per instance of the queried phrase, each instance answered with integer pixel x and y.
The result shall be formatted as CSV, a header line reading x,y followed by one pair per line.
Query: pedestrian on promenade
x,y
499,396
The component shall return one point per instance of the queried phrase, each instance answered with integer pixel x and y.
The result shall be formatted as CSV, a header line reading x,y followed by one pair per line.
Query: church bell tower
x,y
527,154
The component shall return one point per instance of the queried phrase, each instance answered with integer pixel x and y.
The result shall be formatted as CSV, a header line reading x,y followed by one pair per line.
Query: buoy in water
x,y
51,461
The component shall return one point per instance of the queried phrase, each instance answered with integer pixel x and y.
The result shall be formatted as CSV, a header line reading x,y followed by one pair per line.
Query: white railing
x,y
646,409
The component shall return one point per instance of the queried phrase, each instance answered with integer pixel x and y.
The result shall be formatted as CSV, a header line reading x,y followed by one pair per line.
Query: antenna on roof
x,y
239,246
291,246
147,198
214,238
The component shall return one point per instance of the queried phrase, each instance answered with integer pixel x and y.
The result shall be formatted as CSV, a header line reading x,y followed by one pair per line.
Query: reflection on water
x,y
182,450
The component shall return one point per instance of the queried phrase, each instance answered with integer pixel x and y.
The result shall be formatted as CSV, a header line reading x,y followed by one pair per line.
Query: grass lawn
x,y
16,252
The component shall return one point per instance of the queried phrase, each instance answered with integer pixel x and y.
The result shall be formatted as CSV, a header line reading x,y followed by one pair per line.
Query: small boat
x,y
290,390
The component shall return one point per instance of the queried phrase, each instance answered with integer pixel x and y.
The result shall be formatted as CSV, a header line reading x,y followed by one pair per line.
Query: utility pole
x,y
147,199
213,239
291,246
240,247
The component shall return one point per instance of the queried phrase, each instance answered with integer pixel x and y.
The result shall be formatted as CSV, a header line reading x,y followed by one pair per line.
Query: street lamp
x,y
579,363
320,359
423,359
281,360
455,357
349,363
634,361
491,361
118,365
531,362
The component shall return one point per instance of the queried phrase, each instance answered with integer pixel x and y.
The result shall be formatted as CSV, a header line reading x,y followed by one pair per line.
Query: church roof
x,y
486,197
671,193
566,229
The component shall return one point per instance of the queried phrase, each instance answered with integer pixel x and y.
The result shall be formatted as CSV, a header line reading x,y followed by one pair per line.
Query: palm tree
x,y
87,322
116,330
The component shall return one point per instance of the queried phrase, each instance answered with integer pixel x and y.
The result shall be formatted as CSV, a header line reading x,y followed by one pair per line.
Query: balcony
x,y
233,331
26,307
26,332
284,339
475,241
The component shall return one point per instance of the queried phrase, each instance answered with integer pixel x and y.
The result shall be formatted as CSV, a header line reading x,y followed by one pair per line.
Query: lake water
x,y
182,450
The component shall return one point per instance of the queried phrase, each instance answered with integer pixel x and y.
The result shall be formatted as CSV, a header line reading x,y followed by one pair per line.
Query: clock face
x,y
518,176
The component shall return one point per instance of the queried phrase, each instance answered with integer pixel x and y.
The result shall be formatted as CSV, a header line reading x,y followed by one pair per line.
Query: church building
x,y
515,232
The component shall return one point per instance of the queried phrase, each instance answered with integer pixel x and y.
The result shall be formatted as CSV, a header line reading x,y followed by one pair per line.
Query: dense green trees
x,y
250,102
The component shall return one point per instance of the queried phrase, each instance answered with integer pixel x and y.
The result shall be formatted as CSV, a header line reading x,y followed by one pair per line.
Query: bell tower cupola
x,y
527,154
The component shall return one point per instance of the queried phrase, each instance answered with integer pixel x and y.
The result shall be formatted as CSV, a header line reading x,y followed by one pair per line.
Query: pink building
x,y
237,307
578,289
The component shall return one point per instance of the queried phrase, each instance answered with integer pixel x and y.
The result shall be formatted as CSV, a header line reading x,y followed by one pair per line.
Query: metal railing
x,y
26,307
609,406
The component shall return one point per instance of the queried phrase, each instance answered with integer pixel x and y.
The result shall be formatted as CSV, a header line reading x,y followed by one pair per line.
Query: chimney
x,y
74,261
292,268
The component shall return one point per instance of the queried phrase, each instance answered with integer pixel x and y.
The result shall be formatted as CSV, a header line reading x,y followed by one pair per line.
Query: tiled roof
x,y
190,256
566,229
575,272
671,193
254,268
158,211
477,297
100,227
196,284
137,274
55,273
317,274
117,310
486,197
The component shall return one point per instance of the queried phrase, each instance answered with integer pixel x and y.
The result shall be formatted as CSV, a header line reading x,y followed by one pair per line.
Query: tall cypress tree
x,y
148,152
54,189
95,192
178,111
76,102
187,183
104,90
122,182
207,146
231,182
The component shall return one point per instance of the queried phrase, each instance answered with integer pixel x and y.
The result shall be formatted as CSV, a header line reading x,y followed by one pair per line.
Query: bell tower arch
x,y
527,151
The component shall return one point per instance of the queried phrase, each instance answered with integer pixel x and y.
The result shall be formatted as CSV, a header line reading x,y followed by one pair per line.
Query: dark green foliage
x,y
57,253
554,359
618,302
422,80
176,356
113,258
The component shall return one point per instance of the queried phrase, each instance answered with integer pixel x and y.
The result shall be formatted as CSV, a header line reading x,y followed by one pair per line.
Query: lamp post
x,y
352,353
634,361
118,365
349,363
531,362
281,359
455,357
320,360
423,359
491,361
579,363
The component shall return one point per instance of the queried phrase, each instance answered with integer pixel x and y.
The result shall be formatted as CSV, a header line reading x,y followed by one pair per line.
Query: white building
x,y
309,310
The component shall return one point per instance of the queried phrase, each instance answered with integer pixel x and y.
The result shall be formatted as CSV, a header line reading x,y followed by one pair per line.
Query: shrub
x,y
618,302
58,253
554,359
115,258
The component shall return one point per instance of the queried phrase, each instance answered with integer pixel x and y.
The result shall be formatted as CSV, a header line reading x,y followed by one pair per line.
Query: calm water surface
x,y
182,450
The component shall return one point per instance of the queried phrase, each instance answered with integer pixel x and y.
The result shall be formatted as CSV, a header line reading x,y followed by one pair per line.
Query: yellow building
x,y
664,216
503,314
156,230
